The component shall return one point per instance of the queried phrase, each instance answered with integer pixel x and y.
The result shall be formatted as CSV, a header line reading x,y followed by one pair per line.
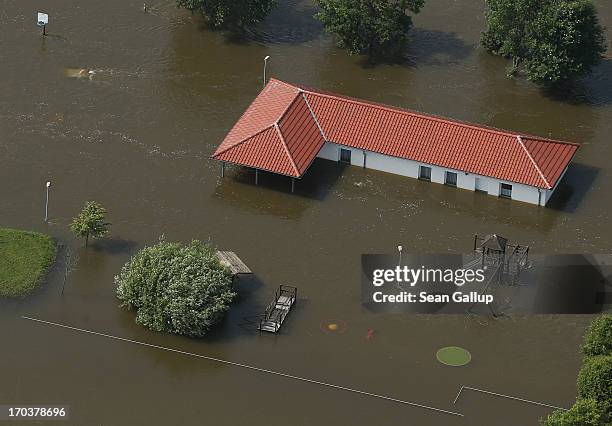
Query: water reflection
x,y
579,180
594,89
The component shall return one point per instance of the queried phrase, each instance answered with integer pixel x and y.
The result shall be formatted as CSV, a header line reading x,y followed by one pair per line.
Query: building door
x,y
345,156
480,185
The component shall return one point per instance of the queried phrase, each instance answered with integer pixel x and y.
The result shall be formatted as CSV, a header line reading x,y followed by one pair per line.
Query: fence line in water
x,y
250,367
506,396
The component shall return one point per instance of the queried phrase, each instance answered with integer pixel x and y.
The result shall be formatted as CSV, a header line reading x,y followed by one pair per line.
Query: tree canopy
x,y
91,222
372,27
595,379
551,40
235,14
594,404
585,412
175,288
598,339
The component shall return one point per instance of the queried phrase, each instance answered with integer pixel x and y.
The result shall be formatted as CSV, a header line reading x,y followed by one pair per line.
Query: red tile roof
x,y
286,125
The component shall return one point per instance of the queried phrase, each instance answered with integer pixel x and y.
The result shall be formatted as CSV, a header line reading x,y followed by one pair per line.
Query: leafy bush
x,y
585,412
181,289
598,339
595,379
594,404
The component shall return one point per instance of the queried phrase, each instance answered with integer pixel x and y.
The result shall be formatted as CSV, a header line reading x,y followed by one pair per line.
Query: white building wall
x,y
410,168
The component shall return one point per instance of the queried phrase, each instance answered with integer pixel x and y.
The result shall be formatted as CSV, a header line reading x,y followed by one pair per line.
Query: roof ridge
x,y
413,113
373,104
543,139
297,95
282,138
520,141
242,141
314,117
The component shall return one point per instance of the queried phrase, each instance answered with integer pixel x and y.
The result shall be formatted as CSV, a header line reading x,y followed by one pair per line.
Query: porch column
x,y
292,184
256,176
222,168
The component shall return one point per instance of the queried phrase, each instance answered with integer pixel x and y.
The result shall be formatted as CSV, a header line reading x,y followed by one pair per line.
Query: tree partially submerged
x,y
598,339
594,404
232,14
585,412
373,27
595,379
551,40
175,288
91,222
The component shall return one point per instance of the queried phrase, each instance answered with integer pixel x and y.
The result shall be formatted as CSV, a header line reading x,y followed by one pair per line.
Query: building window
x,y
506,190
345,156
450,178
425,173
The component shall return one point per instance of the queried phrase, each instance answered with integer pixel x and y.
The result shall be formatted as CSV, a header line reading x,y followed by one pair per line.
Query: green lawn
x,y
25,258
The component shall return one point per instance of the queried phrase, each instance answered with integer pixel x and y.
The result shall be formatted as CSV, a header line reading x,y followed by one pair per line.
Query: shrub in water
x,y
595,381
585,412
181,289
598,339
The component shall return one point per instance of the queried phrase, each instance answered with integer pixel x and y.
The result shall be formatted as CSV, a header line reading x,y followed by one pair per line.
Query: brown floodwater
x,y
136,135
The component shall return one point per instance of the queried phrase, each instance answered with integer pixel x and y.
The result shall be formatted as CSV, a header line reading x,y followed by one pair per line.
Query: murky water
x,y
136,134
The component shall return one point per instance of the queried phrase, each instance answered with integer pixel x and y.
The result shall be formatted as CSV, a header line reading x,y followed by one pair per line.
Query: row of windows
x,y
450,179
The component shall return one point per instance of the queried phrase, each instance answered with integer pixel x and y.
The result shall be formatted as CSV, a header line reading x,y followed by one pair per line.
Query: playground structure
x,y
501,261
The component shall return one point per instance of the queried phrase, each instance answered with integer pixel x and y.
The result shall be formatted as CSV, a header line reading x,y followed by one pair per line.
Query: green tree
x,y
585,412
91,222
233,14
551,40
175,288
594,404
595,379
598,339
372,27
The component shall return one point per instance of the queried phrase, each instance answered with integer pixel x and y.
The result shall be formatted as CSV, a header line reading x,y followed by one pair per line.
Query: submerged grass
x,y
25,258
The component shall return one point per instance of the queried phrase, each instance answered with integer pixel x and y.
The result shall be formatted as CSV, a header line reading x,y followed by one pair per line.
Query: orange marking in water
x,y
370,334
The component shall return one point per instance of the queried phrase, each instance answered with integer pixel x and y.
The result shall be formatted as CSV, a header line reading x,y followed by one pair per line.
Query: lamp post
x,y
47,203
264,70
399,249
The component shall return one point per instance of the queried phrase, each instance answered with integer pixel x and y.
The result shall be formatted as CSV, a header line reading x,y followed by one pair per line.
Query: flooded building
x,y
287,126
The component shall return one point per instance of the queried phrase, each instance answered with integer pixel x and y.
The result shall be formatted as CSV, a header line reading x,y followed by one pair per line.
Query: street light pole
x,y
47,203
264,70
399,249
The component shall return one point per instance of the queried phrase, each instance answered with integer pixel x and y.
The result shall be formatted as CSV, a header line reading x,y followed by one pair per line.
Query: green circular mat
x,y
453,356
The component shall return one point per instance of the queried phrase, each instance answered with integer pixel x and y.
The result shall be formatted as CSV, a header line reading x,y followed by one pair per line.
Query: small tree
x,y
236,14
551,40
372,27
181,289
91,222
598,339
